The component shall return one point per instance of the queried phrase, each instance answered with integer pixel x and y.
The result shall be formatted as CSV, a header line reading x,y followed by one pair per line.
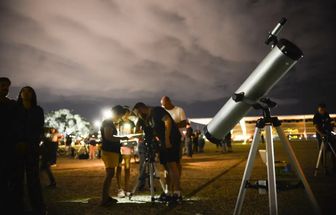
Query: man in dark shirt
x,y
324,127
7,113
166,131
322,123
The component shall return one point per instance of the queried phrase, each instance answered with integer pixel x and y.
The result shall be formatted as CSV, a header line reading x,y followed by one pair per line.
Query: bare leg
x,y
173,173
167,178
107,183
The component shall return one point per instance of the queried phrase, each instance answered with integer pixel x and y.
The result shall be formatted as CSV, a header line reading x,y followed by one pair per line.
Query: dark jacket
x,y
29,125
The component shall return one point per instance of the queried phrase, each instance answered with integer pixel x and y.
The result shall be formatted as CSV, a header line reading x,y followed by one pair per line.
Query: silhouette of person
x,y
29,124
7,113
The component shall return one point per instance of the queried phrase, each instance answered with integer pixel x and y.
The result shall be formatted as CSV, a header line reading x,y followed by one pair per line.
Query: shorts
x,y
127,159
169,155
111,159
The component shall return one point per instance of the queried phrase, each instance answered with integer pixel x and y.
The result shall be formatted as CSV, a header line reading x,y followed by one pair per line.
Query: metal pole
x,y
151,180
319,159
272,191
248,171
298,169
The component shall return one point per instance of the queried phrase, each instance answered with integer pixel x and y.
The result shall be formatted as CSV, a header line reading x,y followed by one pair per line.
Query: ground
x,y
210,184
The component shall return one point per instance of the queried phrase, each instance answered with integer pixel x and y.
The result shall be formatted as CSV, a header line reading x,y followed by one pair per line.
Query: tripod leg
x,y
248,171
324,159
151,180
298,169
143,169
319,159
332,149
271,180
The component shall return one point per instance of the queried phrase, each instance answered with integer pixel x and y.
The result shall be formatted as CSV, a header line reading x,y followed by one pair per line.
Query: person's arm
x,y
108,135
317,125
183,122
168,125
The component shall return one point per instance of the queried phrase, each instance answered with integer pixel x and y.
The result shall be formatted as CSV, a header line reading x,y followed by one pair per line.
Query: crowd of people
x,y
161,129
165,126
32,148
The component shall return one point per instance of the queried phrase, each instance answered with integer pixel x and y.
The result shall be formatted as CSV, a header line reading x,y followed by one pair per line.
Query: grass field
x,y
210,184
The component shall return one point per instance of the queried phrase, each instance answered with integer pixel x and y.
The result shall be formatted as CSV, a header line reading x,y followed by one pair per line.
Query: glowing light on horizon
x,y
107,113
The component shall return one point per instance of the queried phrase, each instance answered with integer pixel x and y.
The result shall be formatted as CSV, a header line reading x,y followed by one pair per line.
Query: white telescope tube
x,y
272,68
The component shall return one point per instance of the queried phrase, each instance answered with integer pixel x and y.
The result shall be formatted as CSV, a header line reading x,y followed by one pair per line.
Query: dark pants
x,y
27,157
189,148
142,169
46,167
7,181
48,158
195,147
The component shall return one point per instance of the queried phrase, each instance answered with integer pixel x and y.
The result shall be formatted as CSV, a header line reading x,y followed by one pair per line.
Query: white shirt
x,y
178,115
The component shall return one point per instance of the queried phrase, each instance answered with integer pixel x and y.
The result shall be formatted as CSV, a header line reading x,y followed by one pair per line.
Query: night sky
x,y
89,54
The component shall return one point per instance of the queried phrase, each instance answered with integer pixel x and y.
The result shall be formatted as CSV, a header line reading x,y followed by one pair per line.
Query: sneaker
x,y
128,194
121,193
164,197
174,200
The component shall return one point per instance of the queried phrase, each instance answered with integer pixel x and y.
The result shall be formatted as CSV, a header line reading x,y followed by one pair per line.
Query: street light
x,y
107,113
97,123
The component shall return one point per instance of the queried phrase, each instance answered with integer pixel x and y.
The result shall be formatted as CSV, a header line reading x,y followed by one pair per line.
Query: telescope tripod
x,y
149,170
267,122
322,155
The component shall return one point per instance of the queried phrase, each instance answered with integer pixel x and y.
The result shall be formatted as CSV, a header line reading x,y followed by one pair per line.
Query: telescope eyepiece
x,y
273,35
283,20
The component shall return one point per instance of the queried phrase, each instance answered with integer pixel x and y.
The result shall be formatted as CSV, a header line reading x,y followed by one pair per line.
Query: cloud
x,y
192,50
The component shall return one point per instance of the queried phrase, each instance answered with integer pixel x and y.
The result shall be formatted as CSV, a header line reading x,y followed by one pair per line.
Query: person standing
x,y
92,147
54,137
169,137
179,116
189,140
110,151
226,143
324,127
195,142
7,114
29,124
126,127
68,142
201,142
47,157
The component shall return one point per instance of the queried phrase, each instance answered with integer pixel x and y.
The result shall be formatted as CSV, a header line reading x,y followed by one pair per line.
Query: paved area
x,y
210,183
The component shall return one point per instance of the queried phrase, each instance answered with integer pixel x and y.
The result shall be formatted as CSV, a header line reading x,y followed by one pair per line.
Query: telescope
x,y
282,57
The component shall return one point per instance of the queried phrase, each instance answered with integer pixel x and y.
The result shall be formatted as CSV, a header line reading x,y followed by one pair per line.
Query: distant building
x,y
295,126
